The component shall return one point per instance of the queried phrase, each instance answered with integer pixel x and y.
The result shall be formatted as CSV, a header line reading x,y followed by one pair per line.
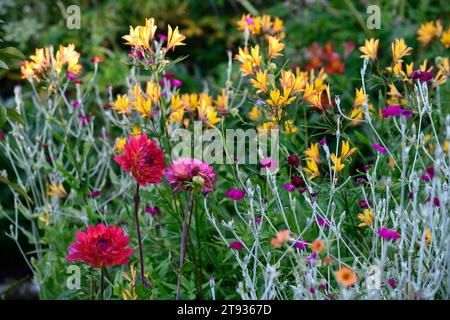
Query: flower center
x,y
103,243
149,160
195,170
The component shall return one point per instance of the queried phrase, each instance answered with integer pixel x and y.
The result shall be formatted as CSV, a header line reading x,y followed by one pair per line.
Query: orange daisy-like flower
x,y
346,277
317,246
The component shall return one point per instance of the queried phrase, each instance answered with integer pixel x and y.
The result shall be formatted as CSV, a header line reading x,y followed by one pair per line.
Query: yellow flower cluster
x,y
261,25
141,37
431,30
149,52
199,106
45,63
139,100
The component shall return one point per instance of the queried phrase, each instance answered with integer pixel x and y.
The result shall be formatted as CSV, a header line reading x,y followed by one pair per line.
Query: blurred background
x,y
319,34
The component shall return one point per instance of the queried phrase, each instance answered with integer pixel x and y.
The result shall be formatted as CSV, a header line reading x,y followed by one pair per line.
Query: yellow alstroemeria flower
x,y
366,218
400,50
120,144
445,39
346,152
255,114
174,38
143,106
337,164
56,190
370,49
311,168
260,82
312,153
136,131
153,91
45,217
427,237
426,33
289,127
141,36
122,104
275,47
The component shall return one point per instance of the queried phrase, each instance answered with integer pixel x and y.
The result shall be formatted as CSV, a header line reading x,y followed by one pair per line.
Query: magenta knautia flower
x,y
85,119
2,135
311,258
298,182
94,194
388,234
236,245
396,111
162,37
323,142
258,220
293,160
75,104
235,194
429,175
152,211
379,148
323,222
423,76
392,283
71,76
364,204
176,83
367,167
186,174
301,245
289,187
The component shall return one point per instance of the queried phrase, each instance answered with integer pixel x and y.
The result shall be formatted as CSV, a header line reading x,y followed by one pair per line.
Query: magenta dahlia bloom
x,y
388,234
235,194
101,246
144,159
186,174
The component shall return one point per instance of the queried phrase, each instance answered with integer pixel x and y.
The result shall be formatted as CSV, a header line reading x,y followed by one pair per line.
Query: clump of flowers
x,y
146,50
52,68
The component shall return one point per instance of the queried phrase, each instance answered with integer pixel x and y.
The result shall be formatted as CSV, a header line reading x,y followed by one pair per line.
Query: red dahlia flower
x,y
100,247
144,159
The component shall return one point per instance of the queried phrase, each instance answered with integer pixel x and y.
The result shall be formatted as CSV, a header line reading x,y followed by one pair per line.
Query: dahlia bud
x,y
293,160
198,181
234,112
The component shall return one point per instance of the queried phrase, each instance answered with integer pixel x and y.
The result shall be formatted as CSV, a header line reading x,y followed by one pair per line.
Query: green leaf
x,y
15,187
15,116
11,53
3,65
2,115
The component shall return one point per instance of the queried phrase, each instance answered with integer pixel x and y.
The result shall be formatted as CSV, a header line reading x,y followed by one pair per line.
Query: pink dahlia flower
x,y
186,174
101,246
